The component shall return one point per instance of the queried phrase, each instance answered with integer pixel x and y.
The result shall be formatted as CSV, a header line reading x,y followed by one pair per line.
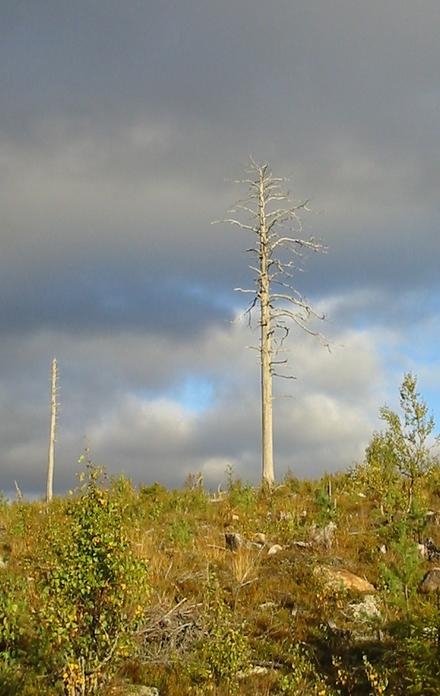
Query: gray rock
x,y
431,581
136,690
324,536
432,550
365,610
233,541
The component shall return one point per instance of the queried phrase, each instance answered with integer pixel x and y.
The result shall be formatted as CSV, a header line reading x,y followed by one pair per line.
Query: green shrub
x,y
13,610
225,651
90,587
407,437
180,533
304,678
327,511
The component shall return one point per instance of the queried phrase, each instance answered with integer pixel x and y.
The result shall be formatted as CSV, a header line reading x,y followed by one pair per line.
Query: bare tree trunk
x,y
52,433
278,250
266,344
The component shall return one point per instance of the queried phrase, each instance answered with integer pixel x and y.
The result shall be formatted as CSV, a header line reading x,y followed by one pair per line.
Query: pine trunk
x,y
52,432
265,347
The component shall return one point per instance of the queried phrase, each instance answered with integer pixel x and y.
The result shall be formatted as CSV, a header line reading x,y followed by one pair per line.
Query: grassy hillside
x,y
113,586
314,587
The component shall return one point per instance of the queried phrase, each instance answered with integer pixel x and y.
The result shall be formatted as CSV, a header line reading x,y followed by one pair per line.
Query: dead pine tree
x,y
268,214
52,431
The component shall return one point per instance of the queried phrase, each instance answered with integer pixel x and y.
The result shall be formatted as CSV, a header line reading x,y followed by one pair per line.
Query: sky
x,y
122,129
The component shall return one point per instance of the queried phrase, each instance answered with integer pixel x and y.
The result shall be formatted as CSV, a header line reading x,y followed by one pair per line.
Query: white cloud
x,y
129,425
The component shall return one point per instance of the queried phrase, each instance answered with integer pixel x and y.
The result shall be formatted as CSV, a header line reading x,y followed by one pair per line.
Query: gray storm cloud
x,y
120,125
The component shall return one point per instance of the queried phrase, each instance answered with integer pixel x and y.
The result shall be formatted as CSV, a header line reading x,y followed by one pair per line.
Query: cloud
x,y
112,401
119,129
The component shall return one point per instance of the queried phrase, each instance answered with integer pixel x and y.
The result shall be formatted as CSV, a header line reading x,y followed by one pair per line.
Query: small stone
x,y
383,549
259,669
431,581
267,605
252,672
260,538
284,515
136,690
302,544
276,548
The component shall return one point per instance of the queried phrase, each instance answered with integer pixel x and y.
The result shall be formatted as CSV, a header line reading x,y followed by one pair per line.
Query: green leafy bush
x,y
399,460
304,678
90,585
407,437
226,650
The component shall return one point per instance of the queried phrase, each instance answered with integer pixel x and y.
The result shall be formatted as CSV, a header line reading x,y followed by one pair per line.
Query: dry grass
x,y
204,594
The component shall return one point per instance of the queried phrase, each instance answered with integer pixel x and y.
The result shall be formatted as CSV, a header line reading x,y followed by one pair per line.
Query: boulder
x,y
339,578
